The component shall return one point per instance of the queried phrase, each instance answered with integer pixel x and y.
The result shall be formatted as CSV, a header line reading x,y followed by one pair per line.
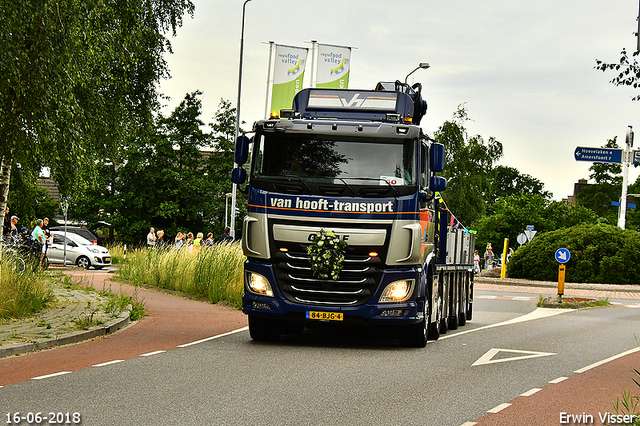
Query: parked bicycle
x,y
23,252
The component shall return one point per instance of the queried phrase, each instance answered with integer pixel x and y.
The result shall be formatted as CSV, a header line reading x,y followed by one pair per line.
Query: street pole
x,y
626,158
226,208
235,186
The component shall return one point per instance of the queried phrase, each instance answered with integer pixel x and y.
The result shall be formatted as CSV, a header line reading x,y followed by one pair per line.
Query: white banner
x,y
334,65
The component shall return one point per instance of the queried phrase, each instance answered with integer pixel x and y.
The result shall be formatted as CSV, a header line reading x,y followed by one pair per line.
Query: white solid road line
x,y
558,380
213,337
604,361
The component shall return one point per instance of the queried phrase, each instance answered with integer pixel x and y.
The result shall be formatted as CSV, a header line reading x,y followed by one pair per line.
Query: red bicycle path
x,y
173,321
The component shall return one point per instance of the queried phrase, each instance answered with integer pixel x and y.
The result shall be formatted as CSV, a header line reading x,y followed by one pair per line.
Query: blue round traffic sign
x,y
563,255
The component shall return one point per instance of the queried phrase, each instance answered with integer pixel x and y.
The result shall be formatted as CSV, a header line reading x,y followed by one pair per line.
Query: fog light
x,y
259,285
397,291
258,305
392,313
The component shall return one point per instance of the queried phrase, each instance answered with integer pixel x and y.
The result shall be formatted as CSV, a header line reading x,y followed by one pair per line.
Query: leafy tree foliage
x,y
509,181
470,161
165,179
599,253
628,70
511,214
77,77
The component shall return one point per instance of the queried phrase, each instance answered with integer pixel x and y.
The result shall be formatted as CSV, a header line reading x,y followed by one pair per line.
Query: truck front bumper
x,y
372,312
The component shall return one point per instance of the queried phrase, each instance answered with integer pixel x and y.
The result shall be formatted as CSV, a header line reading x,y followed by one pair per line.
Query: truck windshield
x,y
385,162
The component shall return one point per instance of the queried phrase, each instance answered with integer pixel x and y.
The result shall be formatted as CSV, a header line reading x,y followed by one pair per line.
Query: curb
x,y
517,282
65,339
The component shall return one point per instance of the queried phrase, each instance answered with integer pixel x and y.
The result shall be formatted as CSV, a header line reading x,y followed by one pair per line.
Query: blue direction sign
x,y
563,255
636,157
599,155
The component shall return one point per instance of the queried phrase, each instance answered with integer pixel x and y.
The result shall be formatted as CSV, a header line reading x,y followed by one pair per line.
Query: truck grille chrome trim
x,y
319,302
303,290
315,280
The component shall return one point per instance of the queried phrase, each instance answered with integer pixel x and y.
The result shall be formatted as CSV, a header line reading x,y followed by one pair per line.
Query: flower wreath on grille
x,y
326,255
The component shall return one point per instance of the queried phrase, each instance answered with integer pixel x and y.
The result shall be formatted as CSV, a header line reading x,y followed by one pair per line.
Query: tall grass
x,y
214,272
22,293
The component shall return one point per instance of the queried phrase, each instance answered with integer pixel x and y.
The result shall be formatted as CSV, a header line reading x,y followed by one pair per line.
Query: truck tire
x,y
415,335
264,329
434,320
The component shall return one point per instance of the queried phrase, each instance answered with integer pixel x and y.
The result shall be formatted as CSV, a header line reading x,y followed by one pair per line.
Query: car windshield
x,y
362,162
59,237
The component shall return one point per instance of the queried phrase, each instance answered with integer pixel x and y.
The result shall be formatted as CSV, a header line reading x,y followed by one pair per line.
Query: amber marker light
x,y
284,249
373,254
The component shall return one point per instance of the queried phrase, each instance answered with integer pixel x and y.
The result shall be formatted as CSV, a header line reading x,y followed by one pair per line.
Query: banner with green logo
x,y
334,65
288,73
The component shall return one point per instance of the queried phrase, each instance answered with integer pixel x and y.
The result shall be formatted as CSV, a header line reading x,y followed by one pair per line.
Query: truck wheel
x,y
455,305
415,335
264,329
434,320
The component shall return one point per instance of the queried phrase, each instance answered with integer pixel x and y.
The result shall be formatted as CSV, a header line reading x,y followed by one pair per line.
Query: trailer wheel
x,y
264,329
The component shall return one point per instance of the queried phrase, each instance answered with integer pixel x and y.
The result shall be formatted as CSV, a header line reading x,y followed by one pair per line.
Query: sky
x,y
525,71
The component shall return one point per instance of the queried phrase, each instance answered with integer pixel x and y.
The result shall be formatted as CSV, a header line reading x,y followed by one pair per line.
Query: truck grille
x,y
355,286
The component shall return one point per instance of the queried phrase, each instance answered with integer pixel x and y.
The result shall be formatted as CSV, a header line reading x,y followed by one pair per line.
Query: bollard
x,y
503,270
561,281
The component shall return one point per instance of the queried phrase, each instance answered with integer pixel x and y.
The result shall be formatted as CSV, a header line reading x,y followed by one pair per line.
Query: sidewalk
x,y
79,313
550,288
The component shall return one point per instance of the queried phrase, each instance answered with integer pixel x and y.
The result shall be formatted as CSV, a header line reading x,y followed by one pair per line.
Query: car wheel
x,y
83,262
264,329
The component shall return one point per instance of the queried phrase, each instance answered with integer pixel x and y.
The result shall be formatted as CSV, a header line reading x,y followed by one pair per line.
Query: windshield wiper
x,y
300,180
395,191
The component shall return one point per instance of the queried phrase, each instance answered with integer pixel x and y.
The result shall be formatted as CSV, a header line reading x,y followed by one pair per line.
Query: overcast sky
x,y
524,70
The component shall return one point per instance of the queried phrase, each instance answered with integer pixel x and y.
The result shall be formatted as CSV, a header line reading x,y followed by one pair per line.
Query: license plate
x,y
107,259
324,316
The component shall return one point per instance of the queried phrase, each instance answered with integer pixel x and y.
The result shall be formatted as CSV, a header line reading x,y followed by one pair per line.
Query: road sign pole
x,y
622,214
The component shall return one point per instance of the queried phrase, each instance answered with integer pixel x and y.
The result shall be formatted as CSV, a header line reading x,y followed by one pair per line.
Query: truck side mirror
x,y
437,183
436,157
238,175
242,150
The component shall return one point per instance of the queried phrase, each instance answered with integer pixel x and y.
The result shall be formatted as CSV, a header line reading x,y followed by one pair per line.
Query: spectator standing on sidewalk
x,y
488,258
13,228
38,236
226,236
151,237
476,262
161,242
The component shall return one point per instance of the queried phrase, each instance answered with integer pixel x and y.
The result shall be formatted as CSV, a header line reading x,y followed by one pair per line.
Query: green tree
x,y
509,181
470,161
77,76
512,213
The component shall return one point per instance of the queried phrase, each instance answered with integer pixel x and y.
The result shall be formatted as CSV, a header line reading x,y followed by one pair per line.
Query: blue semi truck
x,y
351,169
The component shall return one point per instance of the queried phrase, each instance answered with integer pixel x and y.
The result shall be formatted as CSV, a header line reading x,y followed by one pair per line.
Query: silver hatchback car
x,y
80,251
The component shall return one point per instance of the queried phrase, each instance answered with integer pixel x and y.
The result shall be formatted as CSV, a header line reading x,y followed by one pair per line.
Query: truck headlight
x,y
397,291
258,284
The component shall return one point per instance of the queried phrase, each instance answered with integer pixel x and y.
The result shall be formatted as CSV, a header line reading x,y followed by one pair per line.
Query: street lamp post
x,y
423,65
235,186
226,208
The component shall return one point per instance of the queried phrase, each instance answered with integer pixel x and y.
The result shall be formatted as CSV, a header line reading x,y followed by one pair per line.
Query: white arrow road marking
x,y
487,358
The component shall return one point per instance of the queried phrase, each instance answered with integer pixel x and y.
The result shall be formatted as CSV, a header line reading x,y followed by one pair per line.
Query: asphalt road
x,y
354,378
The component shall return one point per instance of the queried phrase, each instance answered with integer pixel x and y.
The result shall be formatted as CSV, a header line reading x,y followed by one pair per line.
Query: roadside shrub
x,y
22,293
599,254
214,273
